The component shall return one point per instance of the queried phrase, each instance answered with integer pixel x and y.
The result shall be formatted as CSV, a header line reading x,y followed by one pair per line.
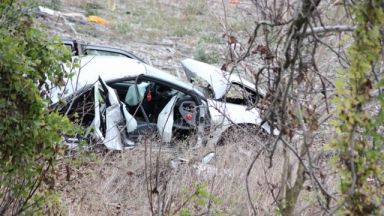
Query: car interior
x,y
145,100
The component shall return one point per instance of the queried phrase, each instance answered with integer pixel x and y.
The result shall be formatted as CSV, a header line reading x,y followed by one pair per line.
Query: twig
x,y
328,29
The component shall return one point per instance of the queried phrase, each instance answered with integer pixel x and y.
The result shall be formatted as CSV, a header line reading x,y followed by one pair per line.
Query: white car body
x,y
101,72
220,80
224,114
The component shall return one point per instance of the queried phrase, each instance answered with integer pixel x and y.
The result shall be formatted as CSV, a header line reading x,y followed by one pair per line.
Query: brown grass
x,y
116,183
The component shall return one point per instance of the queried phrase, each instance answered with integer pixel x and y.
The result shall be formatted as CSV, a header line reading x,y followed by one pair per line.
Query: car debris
x,y
208,158
122,99
220,81
42,11
202,168
175,163
97,19
231,94
68,18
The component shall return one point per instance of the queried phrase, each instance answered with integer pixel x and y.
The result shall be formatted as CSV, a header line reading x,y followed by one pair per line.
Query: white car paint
x,y
114,117
219,80
109,68
225,115
165,120
96,124
214,76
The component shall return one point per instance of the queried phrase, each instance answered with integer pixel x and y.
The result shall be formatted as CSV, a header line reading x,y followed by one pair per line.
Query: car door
x,y
112,120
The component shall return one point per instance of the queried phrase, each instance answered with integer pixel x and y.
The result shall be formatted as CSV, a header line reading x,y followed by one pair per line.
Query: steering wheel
x,y
186,115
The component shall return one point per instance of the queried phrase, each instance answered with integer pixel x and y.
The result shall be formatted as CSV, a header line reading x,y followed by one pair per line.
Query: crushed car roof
x,y
111,68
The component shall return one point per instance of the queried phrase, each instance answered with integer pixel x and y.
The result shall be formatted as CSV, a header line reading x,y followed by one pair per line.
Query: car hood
x,y
219,80
214,76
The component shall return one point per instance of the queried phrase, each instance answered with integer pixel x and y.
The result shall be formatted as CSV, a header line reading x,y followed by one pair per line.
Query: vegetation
x,y
360,143
30,133
320,63
201,54
297,100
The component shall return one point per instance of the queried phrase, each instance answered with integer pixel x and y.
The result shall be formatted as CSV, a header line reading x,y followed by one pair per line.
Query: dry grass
x,y
116,183
152,21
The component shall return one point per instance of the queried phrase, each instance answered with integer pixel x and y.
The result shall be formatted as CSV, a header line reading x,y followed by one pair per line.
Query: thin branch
x,y
327,29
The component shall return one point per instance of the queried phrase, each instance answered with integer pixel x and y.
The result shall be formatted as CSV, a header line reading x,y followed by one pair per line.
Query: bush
x,y
360,141
30,133
201,54
92,9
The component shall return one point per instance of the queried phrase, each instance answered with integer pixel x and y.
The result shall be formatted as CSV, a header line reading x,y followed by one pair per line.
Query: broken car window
x,y
103,53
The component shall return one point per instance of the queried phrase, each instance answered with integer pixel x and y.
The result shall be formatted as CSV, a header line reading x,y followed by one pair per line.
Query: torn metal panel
x,y
97,120
203,112
219,80
113,134
165,120
224,115
239,114
130,121
214,76
112,98
208,158
117,118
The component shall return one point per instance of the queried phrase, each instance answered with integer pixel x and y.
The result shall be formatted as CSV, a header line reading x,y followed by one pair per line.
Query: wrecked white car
x,y
122,99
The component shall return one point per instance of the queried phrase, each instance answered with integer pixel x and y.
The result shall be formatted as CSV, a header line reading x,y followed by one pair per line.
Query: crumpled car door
x,y
165,120
116,118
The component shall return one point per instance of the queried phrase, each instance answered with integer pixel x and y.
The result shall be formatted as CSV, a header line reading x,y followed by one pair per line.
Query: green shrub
x,y
201,54
30,133
56,4
360,142
92,9
194,8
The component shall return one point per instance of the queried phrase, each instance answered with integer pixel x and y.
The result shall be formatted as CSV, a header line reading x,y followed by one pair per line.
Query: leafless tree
x,y
291,51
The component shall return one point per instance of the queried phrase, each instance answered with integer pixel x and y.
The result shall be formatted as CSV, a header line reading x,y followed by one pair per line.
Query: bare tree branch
x,y
327,29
